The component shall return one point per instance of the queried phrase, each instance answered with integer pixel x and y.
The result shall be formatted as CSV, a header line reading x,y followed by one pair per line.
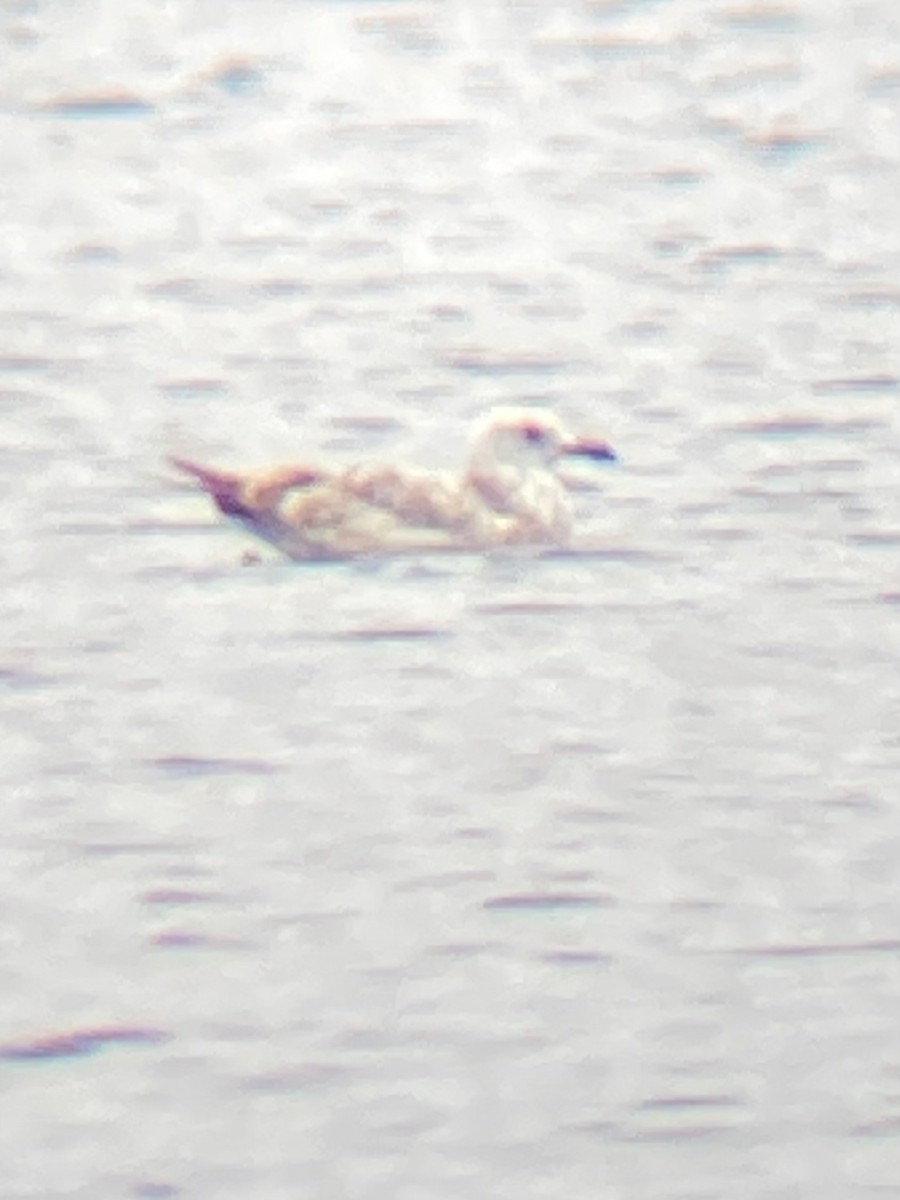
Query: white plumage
x,y
508,494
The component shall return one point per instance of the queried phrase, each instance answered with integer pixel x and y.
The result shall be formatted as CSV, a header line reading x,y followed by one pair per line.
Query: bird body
x,y
509,494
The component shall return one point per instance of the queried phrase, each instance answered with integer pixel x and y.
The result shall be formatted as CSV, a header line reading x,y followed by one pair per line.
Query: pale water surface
x,y
552,876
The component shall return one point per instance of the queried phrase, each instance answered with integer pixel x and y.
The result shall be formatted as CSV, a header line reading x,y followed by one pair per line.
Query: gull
x,y
509,494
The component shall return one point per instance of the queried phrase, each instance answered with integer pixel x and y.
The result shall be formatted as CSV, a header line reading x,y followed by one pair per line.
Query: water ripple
x,y
546,902
77,1043
856,383
93,105
189,765
822,950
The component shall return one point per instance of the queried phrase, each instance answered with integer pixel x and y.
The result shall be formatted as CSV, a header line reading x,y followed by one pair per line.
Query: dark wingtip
x,y
188,467
222,486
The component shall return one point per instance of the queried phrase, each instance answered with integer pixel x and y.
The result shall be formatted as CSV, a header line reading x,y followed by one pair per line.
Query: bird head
x,y
529,438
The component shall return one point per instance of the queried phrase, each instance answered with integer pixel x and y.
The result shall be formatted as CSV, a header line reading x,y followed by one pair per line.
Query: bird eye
x,y
534,433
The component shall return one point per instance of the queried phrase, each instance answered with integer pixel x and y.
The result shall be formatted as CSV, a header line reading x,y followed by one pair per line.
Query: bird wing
x,y
378,508
246,493
312,512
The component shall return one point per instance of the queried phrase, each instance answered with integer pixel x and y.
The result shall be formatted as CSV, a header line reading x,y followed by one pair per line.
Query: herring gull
x,y
509,494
